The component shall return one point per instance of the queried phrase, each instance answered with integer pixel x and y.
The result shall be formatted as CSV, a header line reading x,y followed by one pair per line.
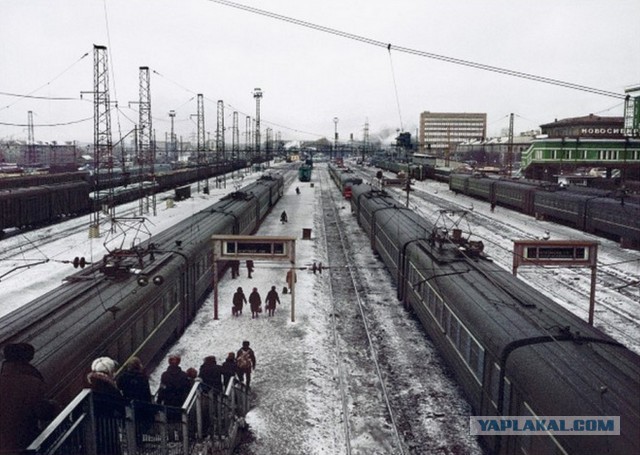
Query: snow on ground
x,y
295,399
296,404
32,263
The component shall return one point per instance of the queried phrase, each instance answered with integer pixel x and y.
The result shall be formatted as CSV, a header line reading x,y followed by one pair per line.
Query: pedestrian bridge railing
x,y
94,424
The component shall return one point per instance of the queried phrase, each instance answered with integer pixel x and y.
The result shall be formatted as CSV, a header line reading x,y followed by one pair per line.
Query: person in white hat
x,y
101,378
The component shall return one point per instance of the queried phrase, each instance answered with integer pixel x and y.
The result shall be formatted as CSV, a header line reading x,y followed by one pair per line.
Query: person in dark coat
x,y
174,384
239,300
249,268
22,399
235,268
134,383
283,217
101,377
108,404
246,362
271,299
255,301
211,373
229,368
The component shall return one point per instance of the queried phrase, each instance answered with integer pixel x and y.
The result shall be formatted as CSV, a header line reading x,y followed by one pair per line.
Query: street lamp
x,y
335,138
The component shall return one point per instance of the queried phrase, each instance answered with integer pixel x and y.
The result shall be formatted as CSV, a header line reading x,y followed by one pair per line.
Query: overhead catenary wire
x,y
419,53
30,94
395,87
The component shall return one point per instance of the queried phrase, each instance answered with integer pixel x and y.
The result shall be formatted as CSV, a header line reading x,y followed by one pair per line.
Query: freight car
x,y
514,351
344,178
37,205
133,302
590,210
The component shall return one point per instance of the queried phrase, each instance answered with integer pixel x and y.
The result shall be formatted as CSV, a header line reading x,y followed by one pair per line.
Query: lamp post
x,y
335,138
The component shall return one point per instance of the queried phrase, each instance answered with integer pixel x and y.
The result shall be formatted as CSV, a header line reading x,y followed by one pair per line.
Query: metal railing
x,y
94,424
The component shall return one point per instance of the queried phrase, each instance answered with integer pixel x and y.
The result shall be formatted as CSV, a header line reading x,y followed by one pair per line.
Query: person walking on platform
x,y
246,362
283,217
229,369
239,300
271,299
297,190
249,268
256,303
174,384
235,269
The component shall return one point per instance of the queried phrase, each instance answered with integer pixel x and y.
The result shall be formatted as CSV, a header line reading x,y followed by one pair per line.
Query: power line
x,y
72,122
50,98
406,50
29,95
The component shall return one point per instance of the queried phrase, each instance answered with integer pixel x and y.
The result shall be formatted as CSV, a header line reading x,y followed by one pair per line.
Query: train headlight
x,y
143,280
158,280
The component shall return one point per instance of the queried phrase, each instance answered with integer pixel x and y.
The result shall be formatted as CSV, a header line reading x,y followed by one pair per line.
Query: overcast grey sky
x,y
308,77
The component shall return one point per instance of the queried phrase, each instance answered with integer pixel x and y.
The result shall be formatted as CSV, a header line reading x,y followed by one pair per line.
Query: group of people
x,y
24,406
175,383
255,302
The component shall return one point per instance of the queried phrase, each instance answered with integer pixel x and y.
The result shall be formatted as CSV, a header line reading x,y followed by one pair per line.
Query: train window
x,y
495,384
446,315
476,359
438,312
454,330
506,397
464,343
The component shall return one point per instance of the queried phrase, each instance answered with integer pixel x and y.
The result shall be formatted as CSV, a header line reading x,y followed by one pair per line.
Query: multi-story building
x,y
440,132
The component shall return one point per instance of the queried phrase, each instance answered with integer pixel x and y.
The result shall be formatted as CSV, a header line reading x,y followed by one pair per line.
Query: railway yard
x,y
353,373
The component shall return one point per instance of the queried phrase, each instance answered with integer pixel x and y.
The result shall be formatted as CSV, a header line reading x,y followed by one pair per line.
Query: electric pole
x,y
102,145
257,94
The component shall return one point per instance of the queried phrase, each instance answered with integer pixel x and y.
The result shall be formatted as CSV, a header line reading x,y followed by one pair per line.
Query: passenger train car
x,y
304,172
514,351
133,302
589,210
422,168
344,178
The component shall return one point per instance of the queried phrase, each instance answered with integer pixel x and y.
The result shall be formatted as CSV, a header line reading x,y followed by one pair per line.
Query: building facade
x,y
440,132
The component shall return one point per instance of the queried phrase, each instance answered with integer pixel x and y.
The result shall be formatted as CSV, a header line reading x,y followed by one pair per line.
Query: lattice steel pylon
x,y
235,137
268,144
220,132
201,141
247,138
172,139
510,148
31,143
146,155
102,145
201,131
257,94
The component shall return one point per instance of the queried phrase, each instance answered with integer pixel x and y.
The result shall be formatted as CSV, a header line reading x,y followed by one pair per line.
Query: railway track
x,y
617,302
408,403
